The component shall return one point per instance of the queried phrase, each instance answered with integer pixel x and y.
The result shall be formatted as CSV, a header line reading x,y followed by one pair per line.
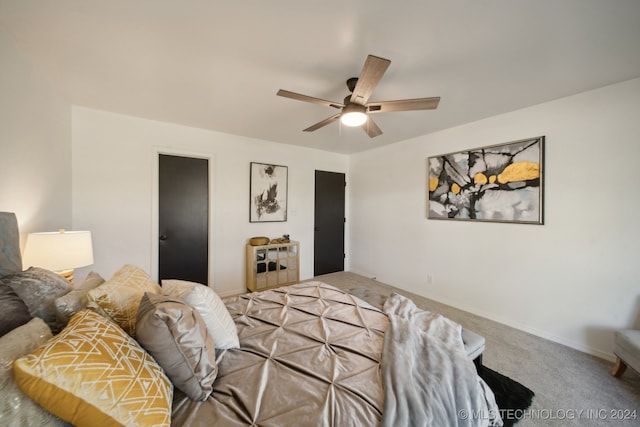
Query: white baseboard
x,y
525,328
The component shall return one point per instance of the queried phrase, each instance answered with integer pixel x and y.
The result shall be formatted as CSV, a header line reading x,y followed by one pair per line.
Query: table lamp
x,y
60,251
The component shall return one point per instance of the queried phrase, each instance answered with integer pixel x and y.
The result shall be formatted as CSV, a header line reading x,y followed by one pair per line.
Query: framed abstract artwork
x,y
268,193
499,183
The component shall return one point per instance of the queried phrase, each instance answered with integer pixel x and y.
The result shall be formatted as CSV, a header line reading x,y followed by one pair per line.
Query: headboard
x,y
10,258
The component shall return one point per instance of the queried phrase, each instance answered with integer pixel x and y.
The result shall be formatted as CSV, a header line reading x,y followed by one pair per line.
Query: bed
x,y
309,354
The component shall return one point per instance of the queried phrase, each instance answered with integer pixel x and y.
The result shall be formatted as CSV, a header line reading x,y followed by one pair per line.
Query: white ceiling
x,y
218,64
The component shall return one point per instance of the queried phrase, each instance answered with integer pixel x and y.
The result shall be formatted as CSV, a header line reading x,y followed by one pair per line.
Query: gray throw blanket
x,y
427,377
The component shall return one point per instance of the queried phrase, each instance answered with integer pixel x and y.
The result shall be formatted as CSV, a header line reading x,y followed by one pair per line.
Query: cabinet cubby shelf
x,y
273,265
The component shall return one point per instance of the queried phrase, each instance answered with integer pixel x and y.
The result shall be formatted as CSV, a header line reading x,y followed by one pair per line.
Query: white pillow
x,y
211,308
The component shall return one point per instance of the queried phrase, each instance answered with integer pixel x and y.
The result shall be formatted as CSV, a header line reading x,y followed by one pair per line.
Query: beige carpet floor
x,y
572,388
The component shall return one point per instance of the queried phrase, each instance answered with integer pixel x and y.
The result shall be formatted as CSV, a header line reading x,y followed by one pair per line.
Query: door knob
x,y
163,237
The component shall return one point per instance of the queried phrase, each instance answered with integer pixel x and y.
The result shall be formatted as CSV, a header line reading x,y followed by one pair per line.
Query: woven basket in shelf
x,y
259,241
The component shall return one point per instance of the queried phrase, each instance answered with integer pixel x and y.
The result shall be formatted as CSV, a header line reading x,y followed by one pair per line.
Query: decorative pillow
x,y
93,373
215,314
13,311
10,258
16,408
176,336
119,297
69,304
39,288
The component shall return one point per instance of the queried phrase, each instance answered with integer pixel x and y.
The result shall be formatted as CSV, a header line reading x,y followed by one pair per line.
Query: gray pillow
x,y
177,338
39,288
10,258
16,408
69,304
13,311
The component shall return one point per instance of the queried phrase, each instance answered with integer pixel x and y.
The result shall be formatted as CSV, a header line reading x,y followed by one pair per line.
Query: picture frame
x,y
497,183
268,192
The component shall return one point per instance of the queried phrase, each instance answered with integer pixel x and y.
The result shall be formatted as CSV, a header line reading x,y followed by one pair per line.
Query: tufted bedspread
x,y
310,355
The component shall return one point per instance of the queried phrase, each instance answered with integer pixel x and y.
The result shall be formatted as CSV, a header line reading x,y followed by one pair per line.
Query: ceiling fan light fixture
x,y
353,115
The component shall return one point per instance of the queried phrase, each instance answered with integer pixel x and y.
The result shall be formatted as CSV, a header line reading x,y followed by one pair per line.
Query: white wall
x,y
571,280
35,145
114,182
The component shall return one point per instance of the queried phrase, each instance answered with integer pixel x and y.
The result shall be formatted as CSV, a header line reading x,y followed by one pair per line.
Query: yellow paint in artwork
x,y
519,171
455,188
480,178
492,179
433,184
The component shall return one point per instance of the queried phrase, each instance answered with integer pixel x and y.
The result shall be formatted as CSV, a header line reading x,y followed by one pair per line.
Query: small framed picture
x,y
268,193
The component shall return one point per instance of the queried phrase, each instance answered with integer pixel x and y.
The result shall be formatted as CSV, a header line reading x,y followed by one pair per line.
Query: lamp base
x,y
67,274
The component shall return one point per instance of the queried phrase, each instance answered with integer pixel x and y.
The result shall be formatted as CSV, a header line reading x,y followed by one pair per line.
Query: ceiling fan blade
x,y
371,128
372,71
404,105
323,123
305,98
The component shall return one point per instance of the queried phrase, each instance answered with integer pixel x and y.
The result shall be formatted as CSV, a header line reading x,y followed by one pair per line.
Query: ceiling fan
x,y
354,110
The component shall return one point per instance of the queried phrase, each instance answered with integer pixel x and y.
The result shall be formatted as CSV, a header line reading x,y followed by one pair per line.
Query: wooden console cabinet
x,y
272,265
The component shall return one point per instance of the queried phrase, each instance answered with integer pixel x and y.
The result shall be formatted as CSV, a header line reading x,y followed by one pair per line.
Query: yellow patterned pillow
x,y
119,297
93,373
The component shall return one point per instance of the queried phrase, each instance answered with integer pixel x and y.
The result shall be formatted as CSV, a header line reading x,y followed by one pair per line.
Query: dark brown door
x,y
183,218
328,245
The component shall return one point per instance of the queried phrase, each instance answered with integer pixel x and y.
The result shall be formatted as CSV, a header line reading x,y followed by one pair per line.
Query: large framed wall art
x,y
499,183
268,193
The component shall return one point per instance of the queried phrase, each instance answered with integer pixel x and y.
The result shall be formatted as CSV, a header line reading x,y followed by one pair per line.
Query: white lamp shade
x,y
353,115
58,251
